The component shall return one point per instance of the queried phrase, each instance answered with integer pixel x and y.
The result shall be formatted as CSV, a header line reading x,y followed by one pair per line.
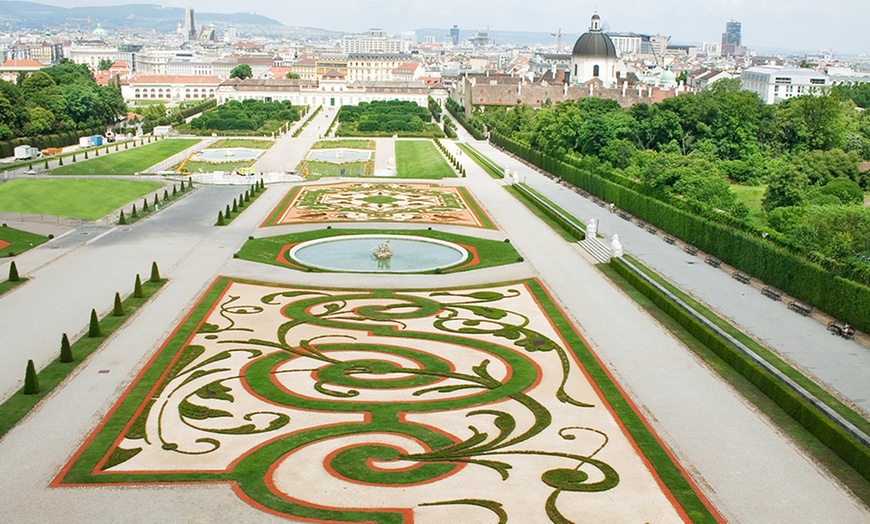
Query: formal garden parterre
x,y
343,405
379,201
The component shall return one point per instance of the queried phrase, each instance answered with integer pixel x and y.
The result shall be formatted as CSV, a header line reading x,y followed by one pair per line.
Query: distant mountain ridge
x,y
30,15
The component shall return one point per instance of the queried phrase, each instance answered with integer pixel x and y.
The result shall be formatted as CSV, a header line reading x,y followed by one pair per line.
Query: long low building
x,y
169,88
775,84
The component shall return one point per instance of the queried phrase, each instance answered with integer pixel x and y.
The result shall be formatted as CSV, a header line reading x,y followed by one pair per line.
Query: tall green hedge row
x,y
843,444
760,257
472,126
178,116
67,138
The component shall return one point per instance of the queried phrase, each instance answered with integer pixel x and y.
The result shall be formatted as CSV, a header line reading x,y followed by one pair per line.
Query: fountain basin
x,y
226,155
353,253
340,156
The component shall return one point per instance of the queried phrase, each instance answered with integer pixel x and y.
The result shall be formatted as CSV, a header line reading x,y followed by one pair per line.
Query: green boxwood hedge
x,y
837,439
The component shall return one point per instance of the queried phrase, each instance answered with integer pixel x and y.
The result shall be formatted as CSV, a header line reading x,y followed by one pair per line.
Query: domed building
x,y
594,56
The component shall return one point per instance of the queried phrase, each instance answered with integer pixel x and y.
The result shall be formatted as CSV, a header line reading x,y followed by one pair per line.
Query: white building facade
x,y
775,83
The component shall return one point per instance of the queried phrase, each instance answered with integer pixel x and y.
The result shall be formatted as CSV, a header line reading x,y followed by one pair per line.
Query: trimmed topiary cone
x,y
96,152
116,147
86,155
74,158
94,326
118,309
31,382
241,201
227,212
60,161
247,196
220,220
137,288
65,349
165,195
13,273
144,205
134,213
235,206
122,219
155,273
174,190
46,164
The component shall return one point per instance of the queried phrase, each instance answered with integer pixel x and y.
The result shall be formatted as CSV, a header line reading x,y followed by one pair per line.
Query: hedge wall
x,y
67,138
843,444
472,126
762,258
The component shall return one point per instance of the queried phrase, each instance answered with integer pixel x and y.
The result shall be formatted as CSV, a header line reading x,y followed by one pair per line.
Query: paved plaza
x,y
244,395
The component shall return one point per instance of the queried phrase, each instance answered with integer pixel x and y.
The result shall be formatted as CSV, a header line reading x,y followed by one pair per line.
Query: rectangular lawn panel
x,y
421,159
16,241
125,162
370,405
87,199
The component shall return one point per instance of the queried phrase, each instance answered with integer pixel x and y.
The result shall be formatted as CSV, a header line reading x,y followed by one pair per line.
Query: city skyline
x,y
797,25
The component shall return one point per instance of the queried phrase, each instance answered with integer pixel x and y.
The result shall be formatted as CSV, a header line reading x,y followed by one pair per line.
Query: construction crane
x,y
88,20
558,36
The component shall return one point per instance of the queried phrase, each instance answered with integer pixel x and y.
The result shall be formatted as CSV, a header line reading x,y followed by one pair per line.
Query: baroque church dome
x,y
594,44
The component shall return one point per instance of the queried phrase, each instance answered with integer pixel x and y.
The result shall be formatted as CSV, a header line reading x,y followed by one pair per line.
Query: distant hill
x,y
30,15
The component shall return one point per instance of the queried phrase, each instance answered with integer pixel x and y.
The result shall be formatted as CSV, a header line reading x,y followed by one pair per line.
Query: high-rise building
x,y
731,39
189,22
454,34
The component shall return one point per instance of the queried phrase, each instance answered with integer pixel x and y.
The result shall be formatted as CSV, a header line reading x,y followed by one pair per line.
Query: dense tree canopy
x,y
241,71
58,98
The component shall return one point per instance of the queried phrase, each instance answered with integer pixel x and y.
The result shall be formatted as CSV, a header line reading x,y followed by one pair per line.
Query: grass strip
x,y
536,209
492,169
421,159
8,285
19,405
775,413
19,241
850,450
128,162
228,215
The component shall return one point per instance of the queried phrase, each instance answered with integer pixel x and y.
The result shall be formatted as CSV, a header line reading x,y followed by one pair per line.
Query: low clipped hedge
x,y
762,258
837,439
472,126
568,225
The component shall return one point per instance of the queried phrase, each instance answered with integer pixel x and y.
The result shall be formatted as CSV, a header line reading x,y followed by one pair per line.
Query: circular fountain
x,y
378,254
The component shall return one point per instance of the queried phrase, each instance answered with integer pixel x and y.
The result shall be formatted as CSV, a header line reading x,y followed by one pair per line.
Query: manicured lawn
x,y
492,169
19,241
88,199
242,142
421,159
125,162
348,144
491,252
353,169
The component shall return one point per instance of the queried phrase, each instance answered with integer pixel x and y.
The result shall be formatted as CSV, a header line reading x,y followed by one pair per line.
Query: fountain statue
x,y
383,251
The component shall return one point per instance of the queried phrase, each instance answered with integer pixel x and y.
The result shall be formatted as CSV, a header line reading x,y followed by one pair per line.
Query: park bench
x,y
691,249
740,276
599,202
771,293
841,330
651,229
625,216
641,224
800,307
670,239
713,261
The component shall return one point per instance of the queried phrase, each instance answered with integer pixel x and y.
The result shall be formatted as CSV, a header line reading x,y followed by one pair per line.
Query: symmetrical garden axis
x,y
379,201
336,405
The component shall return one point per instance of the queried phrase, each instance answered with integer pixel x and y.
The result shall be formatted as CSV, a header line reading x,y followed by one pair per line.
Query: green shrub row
x,y
474,127
307,121
453,160
178,116
837,439
573,229
67,138
758,256
227,215
435,109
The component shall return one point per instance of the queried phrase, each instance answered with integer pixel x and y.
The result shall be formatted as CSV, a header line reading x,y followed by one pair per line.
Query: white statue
x,y
383,250
615,247
591,229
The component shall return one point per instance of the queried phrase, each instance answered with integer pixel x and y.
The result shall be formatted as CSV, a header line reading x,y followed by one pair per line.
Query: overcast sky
x,y
838,25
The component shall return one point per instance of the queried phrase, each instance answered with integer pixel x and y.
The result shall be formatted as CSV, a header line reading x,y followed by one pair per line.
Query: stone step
x,y
597,249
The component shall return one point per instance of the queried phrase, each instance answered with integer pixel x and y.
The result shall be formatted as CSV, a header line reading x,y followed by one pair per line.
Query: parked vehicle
x,y
26,152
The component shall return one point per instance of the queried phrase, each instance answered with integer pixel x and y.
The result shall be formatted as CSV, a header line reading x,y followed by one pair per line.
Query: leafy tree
x,y
821,167
40,121
619,153
846,191
813,122
105,64
292,76
241,71
786,187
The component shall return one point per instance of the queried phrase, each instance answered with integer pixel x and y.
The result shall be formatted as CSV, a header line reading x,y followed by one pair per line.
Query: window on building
x,y
595,71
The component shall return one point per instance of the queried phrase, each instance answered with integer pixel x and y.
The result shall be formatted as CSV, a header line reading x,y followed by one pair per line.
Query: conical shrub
x,y
220,220
165,195
235,206
134,213
60,161
31,382
86,155
144,205
227,212
65,349
94,326
137,288
174,190
13,272
155,273
122,219
74,158
118,308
